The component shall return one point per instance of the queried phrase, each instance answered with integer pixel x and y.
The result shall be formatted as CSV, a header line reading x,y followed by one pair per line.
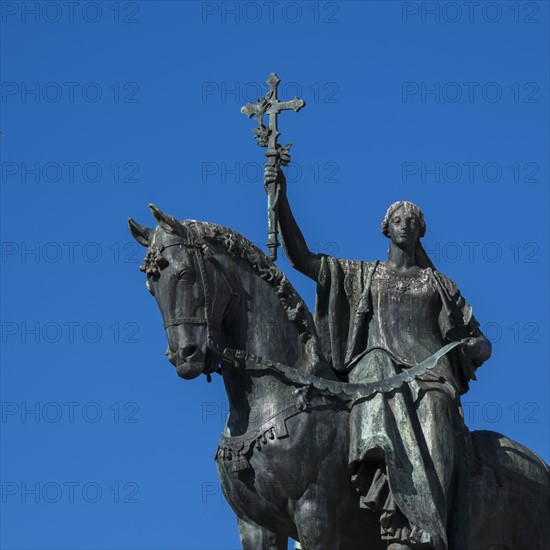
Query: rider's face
x,y
404,227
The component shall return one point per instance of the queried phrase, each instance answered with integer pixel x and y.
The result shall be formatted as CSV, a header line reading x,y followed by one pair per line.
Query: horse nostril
x,y
187,352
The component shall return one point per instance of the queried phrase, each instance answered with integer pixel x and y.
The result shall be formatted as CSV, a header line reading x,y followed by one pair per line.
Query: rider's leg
x,y
435,420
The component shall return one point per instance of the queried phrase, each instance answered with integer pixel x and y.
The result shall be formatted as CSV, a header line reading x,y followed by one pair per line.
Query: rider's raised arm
x,y
294,244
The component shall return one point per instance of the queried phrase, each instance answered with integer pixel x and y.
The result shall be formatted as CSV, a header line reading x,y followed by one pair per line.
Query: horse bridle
x,y
200,249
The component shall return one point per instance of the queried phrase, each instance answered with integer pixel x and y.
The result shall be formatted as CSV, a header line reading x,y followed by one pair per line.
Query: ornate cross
x,y
276,155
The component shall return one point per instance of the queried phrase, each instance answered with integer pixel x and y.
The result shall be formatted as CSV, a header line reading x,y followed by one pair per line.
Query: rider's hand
x,y
475,348
274,174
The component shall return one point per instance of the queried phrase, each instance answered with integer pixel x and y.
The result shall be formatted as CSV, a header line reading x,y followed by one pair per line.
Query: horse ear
x,y
167,222
140,233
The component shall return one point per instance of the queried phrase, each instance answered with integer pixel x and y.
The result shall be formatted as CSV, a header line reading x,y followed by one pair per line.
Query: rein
x,y
239,358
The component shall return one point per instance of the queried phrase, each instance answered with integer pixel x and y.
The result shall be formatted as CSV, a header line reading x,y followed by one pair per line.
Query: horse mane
x,y
241,248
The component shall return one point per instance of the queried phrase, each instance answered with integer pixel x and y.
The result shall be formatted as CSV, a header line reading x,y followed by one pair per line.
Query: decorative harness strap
x,y
333,387
235,451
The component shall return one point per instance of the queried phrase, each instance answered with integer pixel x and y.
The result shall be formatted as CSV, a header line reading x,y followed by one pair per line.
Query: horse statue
x,y
282,458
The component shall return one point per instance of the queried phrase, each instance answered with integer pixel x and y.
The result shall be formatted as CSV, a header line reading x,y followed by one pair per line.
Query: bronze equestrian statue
x,y
287,465
345,428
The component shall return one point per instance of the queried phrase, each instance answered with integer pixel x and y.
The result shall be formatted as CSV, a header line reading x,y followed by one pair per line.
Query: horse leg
x,y
254,537
316,520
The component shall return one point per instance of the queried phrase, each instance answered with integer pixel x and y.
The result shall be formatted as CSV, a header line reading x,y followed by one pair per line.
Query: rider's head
x,y
407,210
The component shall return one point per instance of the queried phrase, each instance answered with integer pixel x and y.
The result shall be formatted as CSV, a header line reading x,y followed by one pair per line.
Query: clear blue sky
x,y
109,106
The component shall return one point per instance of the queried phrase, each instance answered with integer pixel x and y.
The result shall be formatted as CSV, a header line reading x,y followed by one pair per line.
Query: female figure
x,y
405,446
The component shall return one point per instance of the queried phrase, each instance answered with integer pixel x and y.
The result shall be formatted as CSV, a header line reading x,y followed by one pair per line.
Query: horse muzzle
x,y
189,361
190,369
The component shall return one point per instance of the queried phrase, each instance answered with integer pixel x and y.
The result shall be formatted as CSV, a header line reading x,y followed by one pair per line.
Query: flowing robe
x,y
403,445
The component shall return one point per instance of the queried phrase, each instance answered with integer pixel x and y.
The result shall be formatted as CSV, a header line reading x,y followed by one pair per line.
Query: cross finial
x,y
267,137
269,104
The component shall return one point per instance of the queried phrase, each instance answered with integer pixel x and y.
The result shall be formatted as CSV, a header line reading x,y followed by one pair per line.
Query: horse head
x,y
191,298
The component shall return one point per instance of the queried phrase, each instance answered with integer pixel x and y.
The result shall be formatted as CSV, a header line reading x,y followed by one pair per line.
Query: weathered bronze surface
x,y
345,428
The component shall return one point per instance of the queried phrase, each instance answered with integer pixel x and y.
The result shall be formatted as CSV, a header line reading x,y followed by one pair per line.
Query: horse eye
x,y
185,276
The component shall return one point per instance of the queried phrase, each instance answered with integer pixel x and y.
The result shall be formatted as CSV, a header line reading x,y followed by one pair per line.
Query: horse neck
x,y
265,327
259,325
